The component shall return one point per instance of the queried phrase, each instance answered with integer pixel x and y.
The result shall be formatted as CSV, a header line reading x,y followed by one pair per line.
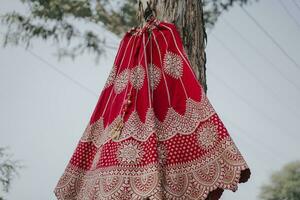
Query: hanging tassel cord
x,y
140,13
148,13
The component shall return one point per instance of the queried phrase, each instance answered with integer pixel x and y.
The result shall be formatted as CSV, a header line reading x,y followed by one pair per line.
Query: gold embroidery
x,y
220,168
207,135
154,75
115,133
121,81
93,132
108,185
174,123
130,152
162,153
137,77
111,77
176,184
96,158
144,185
173,65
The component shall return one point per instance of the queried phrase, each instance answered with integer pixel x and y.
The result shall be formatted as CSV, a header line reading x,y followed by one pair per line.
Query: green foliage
x,y
284,185
51,20
8,170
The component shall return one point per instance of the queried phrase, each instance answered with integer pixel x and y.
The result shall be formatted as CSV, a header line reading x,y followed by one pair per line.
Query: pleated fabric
x,y
153,133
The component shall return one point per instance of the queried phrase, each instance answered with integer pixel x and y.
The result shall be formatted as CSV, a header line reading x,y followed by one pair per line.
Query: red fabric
x,y
171,144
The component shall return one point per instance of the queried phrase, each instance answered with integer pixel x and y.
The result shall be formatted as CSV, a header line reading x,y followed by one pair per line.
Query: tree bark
x,y
187,15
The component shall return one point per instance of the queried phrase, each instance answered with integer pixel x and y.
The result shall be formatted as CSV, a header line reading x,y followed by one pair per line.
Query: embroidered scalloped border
x,y
220,168
174,123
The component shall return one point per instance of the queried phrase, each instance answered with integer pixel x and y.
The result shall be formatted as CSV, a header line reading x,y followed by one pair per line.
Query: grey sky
x,y
43,114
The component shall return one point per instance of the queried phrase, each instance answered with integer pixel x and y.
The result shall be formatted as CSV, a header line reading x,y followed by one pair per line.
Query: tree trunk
x,y
188,17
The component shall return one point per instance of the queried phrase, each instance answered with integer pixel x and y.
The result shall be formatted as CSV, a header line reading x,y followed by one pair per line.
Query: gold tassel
x,y
115,134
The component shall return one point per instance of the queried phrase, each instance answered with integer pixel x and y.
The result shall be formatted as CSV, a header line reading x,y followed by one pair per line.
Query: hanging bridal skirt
x,y
153,133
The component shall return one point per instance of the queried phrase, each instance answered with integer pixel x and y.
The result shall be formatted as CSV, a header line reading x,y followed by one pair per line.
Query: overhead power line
x,y
252,106
261,54
65,75
257,109
62,73
259,143
271,38
244,67
296,4
289,13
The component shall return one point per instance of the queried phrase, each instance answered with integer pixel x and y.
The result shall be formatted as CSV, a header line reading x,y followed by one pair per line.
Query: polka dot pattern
x,y
110,151
186,148
150,149
108,157
178,149
83,155
222,130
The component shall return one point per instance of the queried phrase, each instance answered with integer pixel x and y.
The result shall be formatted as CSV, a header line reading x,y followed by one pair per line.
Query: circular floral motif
x,y
155,75
111,77
207,135
121,81
137,77
173,65
130,152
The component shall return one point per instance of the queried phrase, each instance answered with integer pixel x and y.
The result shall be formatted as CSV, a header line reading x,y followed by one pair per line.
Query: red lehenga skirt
x,y
153,133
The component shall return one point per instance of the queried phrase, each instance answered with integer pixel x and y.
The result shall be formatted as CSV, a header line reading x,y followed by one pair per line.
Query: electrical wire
x,y
80,85
271,38
289,13
244,67
65,75
260,54
252,106
296,4
257,142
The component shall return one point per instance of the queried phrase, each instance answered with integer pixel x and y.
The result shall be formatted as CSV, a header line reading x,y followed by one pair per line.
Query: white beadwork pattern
x,y
121,81
162,153
191,180
96,158
137,77
111,77
173,65
207,135
155,75
174,123
130,152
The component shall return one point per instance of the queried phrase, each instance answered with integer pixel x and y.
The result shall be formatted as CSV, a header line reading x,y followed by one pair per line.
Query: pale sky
x,y
256,93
